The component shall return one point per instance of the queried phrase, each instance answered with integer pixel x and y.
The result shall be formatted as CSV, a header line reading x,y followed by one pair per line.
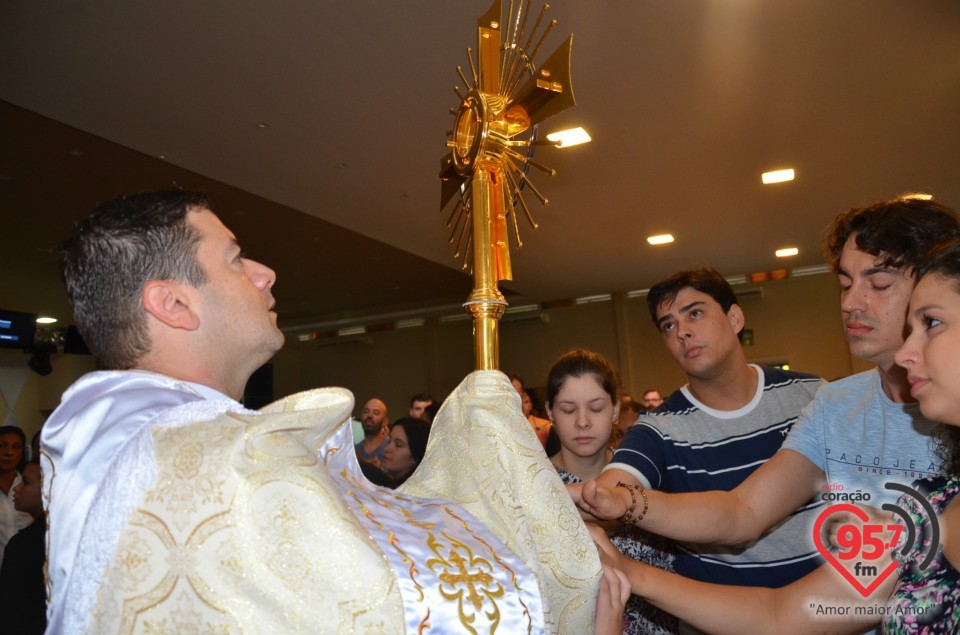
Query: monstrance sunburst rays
x,y
492,142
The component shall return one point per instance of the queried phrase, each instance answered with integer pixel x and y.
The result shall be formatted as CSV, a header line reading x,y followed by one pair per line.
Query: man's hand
x,y
576,493
600,502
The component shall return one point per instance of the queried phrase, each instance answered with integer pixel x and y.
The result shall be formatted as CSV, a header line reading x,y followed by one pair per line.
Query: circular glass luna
x,y
467,133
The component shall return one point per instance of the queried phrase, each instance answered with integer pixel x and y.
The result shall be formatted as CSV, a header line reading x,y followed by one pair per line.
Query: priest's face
x,y
236,303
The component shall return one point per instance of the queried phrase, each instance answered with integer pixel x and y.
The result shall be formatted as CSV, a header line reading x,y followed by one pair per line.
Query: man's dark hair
x,y
113,252
420,396
706,280
431,411
900,230
14,430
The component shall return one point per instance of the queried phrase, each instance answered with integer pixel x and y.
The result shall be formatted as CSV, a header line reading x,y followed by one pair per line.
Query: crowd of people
x,y
22,529
388,452
705,504
858,435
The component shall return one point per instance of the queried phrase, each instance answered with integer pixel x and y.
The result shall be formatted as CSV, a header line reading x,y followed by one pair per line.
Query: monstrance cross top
x,y
492,142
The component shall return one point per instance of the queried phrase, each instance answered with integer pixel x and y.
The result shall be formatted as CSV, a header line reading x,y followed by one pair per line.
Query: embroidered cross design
x,y
465,577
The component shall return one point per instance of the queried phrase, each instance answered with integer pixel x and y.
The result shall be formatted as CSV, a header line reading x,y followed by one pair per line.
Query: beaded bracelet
x,y
629,520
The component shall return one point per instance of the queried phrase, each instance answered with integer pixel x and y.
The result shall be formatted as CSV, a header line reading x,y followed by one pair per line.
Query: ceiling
x,y
317,129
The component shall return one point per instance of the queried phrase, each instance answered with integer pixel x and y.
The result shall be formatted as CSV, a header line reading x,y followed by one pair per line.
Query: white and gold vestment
x,y
212,518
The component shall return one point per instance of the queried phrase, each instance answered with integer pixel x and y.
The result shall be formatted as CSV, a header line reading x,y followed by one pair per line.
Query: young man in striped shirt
x,y
712,433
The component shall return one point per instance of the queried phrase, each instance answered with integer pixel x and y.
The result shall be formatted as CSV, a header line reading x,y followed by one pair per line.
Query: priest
x,y
172,507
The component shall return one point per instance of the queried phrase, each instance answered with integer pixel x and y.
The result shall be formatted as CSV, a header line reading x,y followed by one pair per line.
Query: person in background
x,y
405,448
12,444
34,454
375,422
582,404
629,413
540,426
23,598
419,404
430,412
651,399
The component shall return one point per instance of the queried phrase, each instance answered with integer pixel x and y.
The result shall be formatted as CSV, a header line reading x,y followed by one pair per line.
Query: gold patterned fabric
x,y
484,456
242,533
244,530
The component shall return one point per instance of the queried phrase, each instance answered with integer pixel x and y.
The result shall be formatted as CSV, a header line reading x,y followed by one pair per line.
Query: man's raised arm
x,y
774,491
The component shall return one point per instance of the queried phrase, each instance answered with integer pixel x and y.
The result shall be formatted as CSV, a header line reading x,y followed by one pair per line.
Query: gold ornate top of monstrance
x,y
492,143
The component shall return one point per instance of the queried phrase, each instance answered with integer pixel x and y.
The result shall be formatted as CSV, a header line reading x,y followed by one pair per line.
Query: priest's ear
x,y
170,303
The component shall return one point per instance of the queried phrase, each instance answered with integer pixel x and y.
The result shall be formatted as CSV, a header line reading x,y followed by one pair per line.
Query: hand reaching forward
x,y
614,587
598,501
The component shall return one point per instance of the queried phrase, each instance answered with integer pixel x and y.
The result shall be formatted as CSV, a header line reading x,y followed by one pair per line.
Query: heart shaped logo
x,y
874,577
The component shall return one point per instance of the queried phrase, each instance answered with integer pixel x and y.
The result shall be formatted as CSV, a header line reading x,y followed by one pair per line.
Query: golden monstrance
x,y
492,143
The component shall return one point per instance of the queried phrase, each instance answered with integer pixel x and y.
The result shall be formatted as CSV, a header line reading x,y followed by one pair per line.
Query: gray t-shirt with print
x,y
861,439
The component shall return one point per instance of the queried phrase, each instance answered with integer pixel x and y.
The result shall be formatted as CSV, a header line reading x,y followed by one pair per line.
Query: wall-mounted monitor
x,y
17,329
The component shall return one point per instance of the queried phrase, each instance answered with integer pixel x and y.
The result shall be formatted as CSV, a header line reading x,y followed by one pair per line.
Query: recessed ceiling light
x,y
46,320
777,176
263,125
162,156
567,138
660,239
786,252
